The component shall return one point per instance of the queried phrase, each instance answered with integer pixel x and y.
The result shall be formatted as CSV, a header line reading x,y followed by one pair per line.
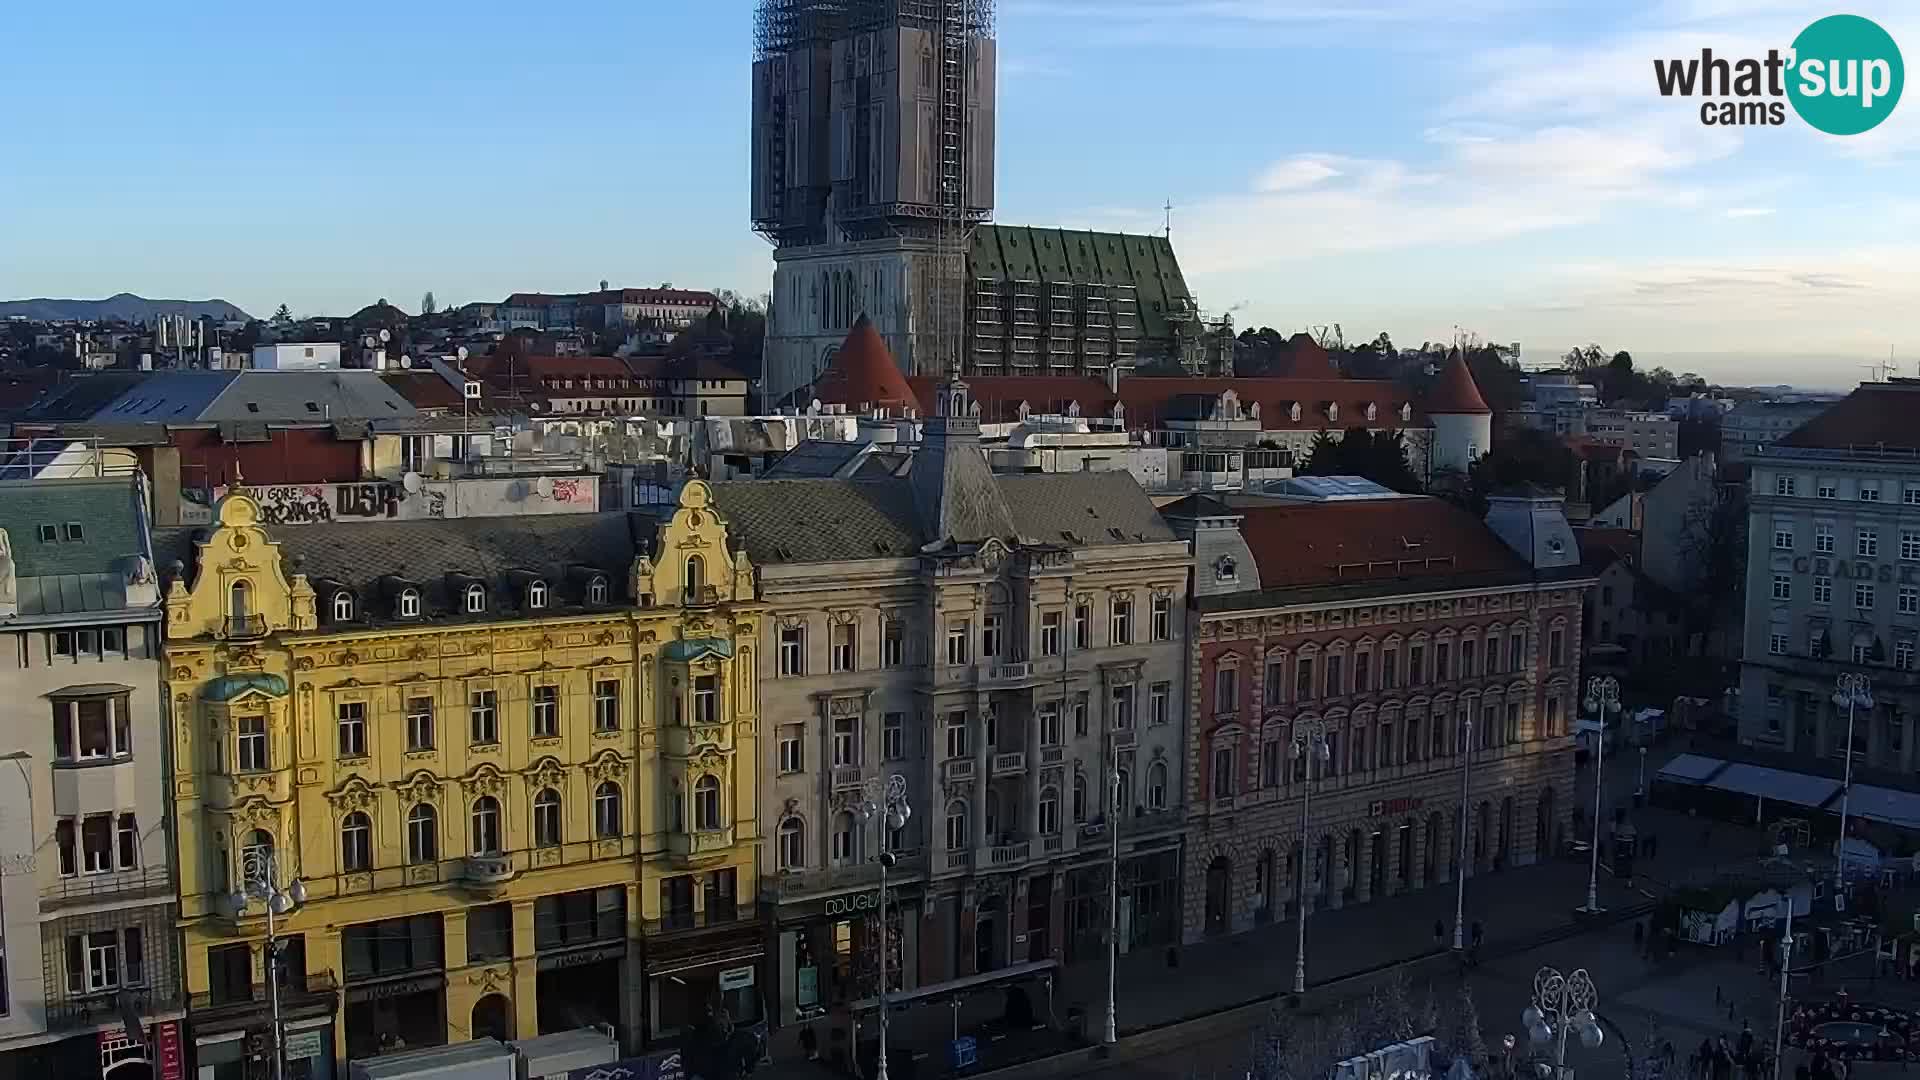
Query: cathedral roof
x,y
863,375
1454,391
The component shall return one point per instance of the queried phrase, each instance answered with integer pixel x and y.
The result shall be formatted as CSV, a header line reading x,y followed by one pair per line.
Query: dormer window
x,y
1226,569
696,572
1293,412
1372,411
409,603
476,599
1406,412
1333,411
536,595
342,606
597,591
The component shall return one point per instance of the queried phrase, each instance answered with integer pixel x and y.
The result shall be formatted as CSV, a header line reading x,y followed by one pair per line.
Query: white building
x,y
297,356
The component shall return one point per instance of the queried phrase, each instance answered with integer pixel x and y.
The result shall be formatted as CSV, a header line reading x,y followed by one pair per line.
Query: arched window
x,y
486,825
423,834
409,603
706,803
537,595
476,599
546,818
1157,786
255,854
791,853
597,591
695,575
1049,811
843,839
240,601
342,606
607,820
356,842
957,837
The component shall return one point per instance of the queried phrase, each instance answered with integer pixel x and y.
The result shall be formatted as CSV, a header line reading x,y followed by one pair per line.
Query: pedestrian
x,y
810,1043
1746,1038
1704,1056
1439,932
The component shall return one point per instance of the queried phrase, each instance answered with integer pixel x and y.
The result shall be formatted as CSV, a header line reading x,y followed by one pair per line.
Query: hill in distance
x,y
123,306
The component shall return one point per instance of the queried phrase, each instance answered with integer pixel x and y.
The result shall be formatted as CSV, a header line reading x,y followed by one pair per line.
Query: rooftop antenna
x,y
1169,226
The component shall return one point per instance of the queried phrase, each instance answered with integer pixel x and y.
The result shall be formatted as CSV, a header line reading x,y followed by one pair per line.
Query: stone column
x,y
526,972
983,780
1033,776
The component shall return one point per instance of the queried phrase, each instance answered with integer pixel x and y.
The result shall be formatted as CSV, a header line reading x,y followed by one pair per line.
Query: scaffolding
x,y
781,25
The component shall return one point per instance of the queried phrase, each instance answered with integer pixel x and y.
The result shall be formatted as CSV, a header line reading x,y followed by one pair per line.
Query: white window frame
x,y
1862,596
793,651
350,726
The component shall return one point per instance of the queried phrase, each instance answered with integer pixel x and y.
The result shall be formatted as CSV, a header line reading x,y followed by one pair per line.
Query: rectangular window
x,y
990,629
1226,690
96,843
957,634
1517,649
1270,758
1556,648
1823,590
893,737
1336,686
1416,665
1825,489
67,839
93,962
1050,629
1082,707
1389,665
1910,544
1783,485
129,835
1782,587
1910,494
1910,600
1553,716
489,933
1777,644
1120,622
251,732
1866,543
1082,626
419,723
484,718
793,650
1223,773
706,699
1869,491
1903,655
1823,538
893,642
1052,732
1782,539
1362,662
352,725
793,757
846,742
1863,596
606,705
1123,707
1160,703
92,729
1276,683
1162,618
1303,679
956,734
840,647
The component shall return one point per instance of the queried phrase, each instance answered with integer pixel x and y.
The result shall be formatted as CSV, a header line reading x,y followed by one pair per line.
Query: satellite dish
x,y
461,352
406,361
412,482
368,341
385,337
544,487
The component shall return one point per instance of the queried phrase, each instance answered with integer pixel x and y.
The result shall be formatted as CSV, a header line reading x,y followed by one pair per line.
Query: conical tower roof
x,y
863,375
1454,391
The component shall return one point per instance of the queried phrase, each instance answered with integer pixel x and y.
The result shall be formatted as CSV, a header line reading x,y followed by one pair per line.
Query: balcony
x,y
1053,755
1009,764
800,884
1056,845
956,860
957,769
698,847
725,915
107,1007
684,741
486,874
848,777
243,627
96,888
315,992
703,596
1125,739
1007,856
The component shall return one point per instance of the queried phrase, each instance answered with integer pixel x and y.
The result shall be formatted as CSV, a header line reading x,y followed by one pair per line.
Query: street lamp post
x,y
1603,698
1853,690
1786,958
1640,784
1309,746
1460,872
1562,1004
259,880
1111,1033
889,803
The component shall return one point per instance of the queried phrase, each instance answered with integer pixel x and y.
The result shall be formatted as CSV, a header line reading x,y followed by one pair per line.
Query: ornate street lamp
x,y
1562,1004
1852,690
1310,743
1603,699
259,877
888,801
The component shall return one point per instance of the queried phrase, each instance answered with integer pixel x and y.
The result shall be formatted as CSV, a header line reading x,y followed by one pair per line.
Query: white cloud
x,y
1748,211
1295,173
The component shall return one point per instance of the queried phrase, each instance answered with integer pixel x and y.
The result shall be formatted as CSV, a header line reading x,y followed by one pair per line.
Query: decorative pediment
x,y
255,810
354,794
422,786
710,757
546,772
609,765
485,779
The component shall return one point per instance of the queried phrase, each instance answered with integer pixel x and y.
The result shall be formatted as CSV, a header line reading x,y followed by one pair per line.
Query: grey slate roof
x,y
821,520
814,458
71,594
103,507
373,559
184,397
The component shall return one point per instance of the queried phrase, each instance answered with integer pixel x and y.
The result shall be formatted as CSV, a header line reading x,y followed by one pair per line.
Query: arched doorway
x,y
493,1018
986,936
1543,825
1219,895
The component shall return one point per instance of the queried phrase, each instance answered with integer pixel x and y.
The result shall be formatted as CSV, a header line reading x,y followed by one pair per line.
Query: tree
x,y
1380,457
427,306
282,314
1463,1036
1713,551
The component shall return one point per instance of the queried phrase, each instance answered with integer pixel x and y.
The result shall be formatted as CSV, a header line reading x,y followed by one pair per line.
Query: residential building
x,y
668,309
1632,622
297,356
1418,642
599,385
87,941
1833,583
1751,425
1005,644
510,762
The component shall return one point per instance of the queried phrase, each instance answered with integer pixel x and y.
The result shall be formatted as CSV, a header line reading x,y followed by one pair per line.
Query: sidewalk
x,y
1518,909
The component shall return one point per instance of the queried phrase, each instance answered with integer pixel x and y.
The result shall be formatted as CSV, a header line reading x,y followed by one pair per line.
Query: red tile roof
x,y
1149,399
1601,548
424,389
534,299
1375,540
1874,415
863,375
1455,391
1000,395
1306,359
679,297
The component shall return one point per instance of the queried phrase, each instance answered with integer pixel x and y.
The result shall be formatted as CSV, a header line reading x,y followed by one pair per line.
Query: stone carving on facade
x,y
491,980
354,794
546,772
609,765
485,779
422,786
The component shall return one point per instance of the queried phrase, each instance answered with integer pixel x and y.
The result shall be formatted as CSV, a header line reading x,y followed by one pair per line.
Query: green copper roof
x,y
228,687
695,648
1029,253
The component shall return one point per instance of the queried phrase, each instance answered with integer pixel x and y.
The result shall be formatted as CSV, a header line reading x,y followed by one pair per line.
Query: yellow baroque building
x,y
472,776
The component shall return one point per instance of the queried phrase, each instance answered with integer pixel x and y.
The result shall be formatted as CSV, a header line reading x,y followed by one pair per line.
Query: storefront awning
x,y
1779,785
1690,769
1889,806
1013,973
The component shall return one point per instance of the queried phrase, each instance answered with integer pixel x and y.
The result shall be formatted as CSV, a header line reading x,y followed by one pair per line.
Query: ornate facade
x,y
509,764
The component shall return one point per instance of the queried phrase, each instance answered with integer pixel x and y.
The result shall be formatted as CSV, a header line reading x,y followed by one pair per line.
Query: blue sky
x,y
1397,165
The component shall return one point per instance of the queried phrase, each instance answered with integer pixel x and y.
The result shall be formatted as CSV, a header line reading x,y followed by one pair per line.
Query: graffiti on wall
x,y
293,504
